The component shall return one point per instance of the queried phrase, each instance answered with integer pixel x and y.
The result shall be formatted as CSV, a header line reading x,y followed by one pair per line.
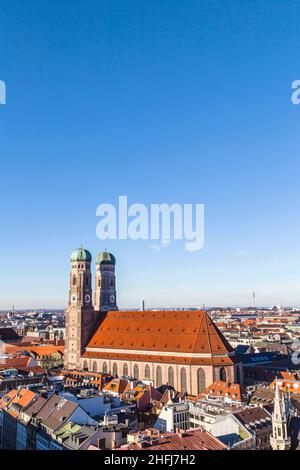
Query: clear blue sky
x,y
163,101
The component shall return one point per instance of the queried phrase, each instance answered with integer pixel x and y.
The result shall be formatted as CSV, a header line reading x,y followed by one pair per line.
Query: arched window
x,y
171,376
99,283
238,375
183,380
74,280
223,374
112,283
94,366
125,370
115,369
136,372
104,367
147,372
85,365
158,376
200,380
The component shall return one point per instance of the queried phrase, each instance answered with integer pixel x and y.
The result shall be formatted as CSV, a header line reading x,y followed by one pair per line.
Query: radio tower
x,y
253,295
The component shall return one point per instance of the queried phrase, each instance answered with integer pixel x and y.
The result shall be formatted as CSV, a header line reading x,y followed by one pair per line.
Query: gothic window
x,y
238,376
171,376
112,283
94,366
85,366
223,374
183,380
158,376
136,372
147,372
125,370
115,369
99,282
200,380
74,280
104,367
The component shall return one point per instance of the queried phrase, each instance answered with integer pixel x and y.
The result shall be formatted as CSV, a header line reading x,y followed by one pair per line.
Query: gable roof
x,y
55,411
8,334
117,385
34,408
254,417
15,400
182,332
197,439
223,389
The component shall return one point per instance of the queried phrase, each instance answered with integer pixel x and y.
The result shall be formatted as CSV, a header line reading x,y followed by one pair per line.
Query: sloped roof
x,y
253,416
8,334
35,407
196,439
19,361
15,400
117,385
223,389
163,331
55,411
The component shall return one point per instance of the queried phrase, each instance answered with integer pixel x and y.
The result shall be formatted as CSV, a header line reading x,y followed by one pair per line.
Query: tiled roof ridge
x,y
207,333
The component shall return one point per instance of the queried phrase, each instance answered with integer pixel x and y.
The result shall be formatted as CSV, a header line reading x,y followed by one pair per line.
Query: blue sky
x,y
165,101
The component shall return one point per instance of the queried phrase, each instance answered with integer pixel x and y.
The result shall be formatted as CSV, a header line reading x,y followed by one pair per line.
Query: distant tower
x,y
254,304
105,283
142,306
279,439
80,316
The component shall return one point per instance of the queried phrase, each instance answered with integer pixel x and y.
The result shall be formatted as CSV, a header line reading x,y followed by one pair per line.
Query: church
x,y
184,349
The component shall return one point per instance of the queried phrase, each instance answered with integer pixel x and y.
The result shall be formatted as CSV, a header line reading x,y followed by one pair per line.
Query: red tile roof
x,y
197,439
117,385
15,400
160,331
223,389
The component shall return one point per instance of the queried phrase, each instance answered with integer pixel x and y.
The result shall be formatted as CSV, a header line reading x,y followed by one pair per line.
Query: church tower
x,y
80,315
105,283
279,438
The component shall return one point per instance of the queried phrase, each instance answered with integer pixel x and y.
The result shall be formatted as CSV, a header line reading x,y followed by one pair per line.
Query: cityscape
x,y
94,377
150,262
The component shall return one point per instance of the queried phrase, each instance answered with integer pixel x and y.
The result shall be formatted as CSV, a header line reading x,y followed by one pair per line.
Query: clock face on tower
x,y
87,298
112,298
73,298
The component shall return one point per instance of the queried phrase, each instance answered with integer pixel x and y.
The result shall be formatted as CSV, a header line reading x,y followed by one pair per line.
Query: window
x,y
94,366
74,280
104,367
171,376
238,376
85,366
136,372
158,376
125,370
183,380
223,374
115,369
200,380
147,372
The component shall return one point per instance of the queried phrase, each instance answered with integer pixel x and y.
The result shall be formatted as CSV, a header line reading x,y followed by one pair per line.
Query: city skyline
x,y
163,104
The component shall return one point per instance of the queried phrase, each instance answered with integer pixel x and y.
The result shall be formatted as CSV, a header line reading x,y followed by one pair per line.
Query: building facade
x,y
183,349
